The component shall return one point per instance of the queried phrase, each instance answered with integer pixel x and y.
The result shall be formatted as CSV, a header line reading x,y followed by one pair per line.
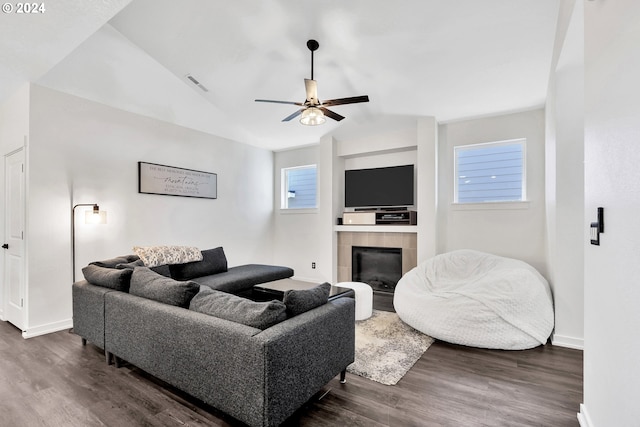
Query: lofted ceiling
x,y
451,59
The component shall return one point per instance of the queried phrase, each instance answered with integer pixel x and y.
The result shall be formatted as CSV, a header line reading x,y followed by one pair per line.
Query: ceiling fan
x,y
313,111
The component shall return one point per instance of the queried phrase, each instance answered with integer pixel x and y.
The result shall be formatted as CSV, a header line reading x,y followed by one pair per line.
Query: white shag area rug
x,y
386,348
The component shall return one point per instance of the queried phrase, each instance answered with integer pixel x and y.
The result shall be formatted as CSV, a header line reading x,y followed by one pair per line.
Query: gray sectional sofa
x,y
259,374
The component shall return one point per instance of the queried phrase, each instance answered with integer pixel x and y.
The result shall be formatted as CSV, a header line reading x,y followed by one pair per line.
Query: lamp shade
x,y
312,116
95,217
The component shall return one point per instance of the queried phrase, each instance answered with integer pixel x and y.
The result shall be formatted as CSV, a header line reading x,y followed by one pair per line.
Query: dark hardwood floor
x,y
52,380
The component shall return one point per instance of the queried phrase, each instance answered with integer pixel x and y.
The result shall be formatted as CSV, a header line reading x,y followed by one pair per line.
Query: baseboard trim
x,y
569,342
583,417
48,328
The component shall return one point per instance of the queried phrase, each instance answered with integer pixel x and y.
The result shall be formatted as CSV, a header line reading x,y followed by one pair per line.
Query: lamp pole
x,y
96,210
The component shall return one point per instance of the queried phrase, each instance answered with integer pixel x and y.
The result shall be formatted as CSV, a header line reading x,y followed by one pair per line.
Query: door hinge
x,y
21,302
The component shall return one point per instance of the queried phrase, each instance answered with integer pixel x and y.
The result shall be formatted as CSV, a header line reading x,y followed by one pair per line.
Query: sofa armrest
x,y
304,353
88,311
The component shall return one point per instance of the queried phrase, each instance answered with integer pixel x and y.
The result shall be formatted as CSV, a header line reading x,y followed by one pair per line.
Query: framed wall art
x,y
172,181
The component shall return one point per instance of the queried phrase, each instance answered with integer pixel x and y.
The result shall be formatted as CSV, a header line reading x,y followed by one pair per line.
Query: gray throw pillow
x,y
261,315
112,262
151,285
131,265
108,277
161,269
299,301
213,261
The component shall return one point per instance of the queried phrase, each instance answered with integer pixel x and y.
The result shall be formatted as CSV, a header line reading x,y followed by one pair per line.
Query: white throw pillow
x,y
154,256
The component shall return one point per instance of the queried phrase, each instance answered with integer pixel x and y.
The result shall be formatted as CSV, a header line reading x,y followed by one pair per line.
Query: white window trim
x,y
284,189
511,204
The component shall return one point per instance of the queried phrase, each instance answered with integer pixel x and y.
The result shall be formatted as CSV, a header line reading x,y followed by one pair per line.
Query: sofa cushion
x,y
131,265
108,277
213,261
299,301
113,262
151,285
261,315
153,256
161,269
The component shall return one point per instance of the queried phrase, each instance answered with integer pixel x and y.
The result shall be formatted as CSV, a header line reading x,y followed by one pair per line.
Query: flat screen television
x,y
379,187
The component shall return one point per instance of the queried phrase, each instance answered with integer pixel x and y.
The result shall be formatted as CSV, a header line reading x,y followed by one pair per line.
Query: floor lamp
x,y
91,217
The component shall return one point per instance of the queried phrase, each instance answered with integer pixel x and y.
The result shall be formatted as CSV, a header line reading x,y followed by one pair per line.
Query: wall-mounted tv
x,y
379,187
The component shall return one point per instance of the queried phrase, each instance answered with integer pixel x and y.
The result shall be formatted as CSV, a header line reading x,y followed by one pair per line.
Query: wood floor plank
x,y
53,380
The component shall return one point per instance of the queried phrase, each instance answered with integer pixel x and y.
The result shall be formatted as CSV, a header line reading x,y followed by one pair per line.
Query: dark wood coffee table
x,y
276,289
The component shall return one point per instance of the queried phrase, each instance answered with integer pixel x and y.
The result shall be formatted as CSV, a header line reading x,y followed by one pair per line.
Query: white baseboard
x,y
583,417
569,342
48,328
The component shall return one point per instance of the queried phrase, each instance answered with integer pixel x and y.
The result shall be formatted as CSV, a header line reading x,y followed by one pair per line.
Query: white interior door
x,y
14,274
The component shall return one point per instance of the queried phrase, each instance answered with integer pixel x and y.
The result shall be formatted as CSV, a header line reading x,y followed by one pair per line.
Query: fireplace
x,y
379,267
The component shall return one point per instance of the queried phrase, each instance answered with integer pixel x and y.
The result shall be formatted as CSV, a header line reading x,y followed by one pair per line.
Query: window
x,y
299,187
490,172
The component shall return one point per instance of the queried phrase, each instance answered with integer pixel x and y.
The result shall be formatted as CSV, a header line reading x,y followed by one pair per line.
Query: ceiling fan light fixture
x,y
312,116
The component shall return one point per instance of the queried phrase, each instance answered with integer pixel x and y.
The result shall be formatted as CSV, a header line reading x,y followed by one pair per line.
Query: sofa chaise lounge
x,y
259,375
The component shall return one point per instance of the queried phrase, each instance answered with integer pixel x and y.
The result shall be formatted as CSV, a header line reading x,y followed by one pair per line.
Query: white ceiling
x,y
30,44
451,59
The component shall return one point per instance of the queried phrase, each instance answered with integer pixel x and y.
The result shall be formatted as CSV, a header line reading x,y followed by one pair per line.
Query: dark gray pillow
x,y
108,277
299,301
151,285
161,269
112,262
261,315
213,261
131,265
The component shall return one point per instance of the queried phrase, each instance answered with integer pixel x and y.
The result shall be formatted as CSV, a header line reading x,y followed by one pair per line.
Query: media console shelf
x,y
396,217
380,217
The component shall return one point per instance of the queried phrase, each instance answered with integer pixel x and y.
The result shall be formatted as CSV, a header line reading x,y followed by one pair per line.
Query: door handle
x,y
5,246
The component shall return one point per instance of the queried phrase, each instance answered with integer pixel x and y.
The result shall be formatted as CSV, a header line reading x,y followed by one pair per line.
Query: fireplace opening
x,y
381,268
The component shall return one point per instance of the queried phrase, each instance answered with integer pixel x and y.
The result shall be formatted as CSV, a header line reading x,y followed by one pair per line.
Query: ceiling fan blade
x,y
312,91
341,101
331,114
280,102
293,116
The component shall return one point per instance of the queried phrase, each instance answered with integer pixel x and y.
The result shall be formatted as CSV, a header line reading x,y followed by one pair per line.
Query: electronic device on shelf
x,y
375,217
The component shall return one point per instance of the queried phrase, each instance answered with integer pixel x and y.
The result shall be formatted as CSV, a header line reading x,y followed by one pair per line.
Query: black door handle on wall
x,y
5,246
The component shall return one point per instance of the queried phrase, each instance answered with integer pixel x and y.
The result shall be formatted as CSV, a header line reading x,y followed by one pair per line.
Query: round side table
x,y
364,298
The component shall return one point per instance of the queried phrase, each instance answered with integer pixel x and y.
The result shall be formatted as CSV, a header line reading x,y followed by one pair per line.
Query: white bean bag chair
x,y
477,299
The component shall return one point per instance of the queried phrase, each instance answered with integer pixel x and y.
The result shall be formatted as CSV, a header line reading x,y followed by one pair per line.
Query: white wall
x,y
297,232
84,152
516,230
565,184
612,270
